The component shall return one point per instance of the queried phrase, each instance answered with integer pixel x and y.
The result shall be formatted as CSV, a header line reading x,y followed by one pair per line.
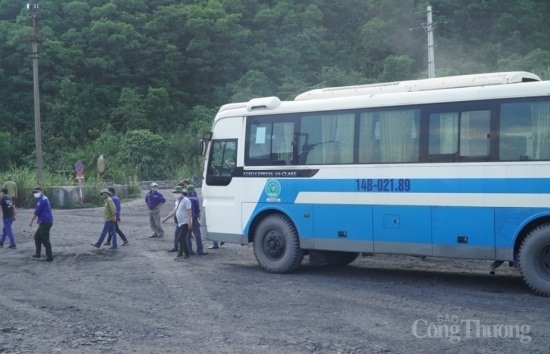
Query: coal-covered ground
x,y
137,299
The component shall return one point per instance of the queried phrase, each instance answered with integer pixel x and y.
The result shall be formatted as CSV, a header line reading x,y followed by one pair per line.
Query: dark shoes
x,y
192,253
221,243
1,245
173,250
213,247
12,247
181,257
124,243
35,256
153,236
113,247
107,244
202,253
95,245
47,260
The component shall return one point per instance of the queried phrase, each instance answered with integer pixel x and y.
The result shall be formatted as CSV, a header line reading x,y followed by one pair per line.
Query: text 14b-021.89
x,y
383,185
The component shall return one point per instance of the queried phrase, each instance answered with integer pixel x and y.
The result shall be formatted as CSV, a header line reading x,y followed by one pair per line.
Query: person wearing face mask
x,y
110,220
117,229
178,195
42,211
184,221
154,200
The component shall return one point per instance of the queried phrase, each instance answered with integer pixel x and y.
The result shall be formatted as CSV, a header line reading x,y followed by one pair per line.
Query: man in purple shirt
x,y
196,229
115,200
43,212
154,200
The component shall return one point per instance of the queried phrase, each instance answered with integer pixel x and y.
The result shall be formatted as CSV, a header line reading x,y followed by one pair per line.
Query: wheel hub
x,y
543,262
274,245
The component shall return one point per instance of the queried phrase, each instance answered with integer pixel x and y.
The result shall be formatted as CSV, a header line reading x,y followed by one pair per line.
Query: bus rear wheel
x,y
341,258
276,245
534,260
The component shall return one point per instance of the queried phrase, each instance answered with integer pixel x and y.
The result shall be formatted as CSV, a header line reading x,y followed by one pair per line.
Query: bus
x,y
453,167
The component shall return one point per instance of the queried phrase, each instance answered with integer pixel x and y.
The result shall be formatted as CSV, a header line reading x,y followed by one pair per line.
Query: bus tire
x,y
340,259
276,245
534,260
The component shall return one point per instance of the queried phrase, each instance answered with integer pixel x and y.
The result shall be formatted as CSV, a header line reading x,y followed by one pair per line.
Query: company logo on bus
x,y
273,190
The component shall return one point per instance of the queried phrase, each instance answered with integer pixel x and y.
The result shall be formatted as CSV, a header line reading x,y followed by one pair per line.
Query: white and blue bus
x,y
447,167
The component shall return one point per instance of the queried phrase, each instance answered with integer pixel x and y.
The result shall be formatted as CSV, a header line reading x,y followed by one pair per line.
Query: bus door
x,y
460,142
222,201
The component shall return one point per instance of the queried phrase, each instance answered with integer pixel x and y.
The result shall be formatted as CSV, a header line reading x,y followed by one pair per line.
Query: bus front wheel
x,y
276,245
534,260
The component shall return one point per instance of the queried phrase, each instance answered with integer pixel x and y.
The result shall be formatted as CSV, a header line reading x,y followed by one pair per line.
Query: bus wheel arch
x,y
527,229
534,259
276,243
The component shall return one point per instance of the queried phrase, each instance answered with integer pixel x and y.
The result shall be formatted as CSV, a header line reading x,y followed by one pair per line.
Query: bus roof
x,y
451,89
438,83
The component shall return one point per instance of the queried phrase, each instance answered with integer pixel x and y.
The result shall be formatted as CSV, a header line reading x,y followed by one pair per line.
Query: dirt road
x,y
137,299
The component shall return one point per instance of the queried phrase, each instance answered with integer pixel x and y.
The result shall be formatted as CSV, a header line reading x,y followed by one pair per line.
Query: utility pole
x,y
429,27
37,130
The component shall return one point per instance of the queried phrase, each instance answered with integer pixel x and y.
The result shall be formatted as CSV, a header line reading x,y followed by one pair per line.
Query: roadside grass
x,y
26,180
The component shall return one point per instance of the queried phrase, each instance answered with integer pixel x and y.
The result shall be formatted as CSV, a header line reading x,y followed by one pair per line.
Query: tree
x,y
129,115
396,67
145,152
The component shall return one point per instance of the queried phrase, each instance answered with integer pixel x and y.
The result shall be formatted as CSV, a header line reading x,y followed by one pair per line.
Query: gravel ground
x,y
138,300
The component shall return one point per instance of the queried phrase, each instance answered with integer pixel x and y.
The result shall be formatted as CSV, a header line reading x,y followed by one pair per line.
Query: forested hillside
x,y
139,80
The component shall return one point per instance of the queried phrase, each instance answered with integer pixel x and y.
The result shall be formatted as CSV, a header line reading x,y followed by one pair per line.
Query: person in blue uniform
x,y
154,200
196,229
42,212
8,214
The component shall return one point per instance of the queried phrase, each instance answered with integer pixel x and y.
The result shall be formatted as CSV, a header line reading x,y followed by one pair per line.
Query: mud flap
x,y
317,257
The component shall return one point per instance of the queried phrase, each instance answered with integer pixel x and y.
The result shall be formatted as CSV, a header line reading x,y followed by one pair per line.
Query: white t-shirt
x,y
181,211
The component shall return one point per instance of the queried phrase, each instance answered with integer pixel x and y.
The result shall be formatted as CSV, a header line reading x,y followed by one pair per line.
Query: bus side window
x,y
524,131
474,133
412,150
282,144
443,136
513,147
370,153
259,148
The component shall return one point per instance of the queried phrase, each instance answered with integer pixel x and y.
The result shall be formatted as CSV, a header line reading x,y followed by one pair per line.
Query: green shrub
x,y
145,153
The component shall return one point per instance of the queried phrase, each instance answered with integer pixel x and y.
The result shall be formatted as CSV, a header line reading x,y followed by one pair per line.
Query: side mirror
x,y
207,136
201,148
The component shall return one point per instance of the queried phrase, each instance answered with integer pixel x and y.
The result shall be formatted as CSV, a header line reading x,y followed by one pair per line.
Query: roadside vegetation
x,y
139,81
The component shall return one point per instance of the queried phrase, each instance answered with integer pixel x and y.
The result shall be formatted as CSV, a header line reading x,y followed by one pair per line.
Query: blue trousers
x,y
197,232
6,231
109,226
